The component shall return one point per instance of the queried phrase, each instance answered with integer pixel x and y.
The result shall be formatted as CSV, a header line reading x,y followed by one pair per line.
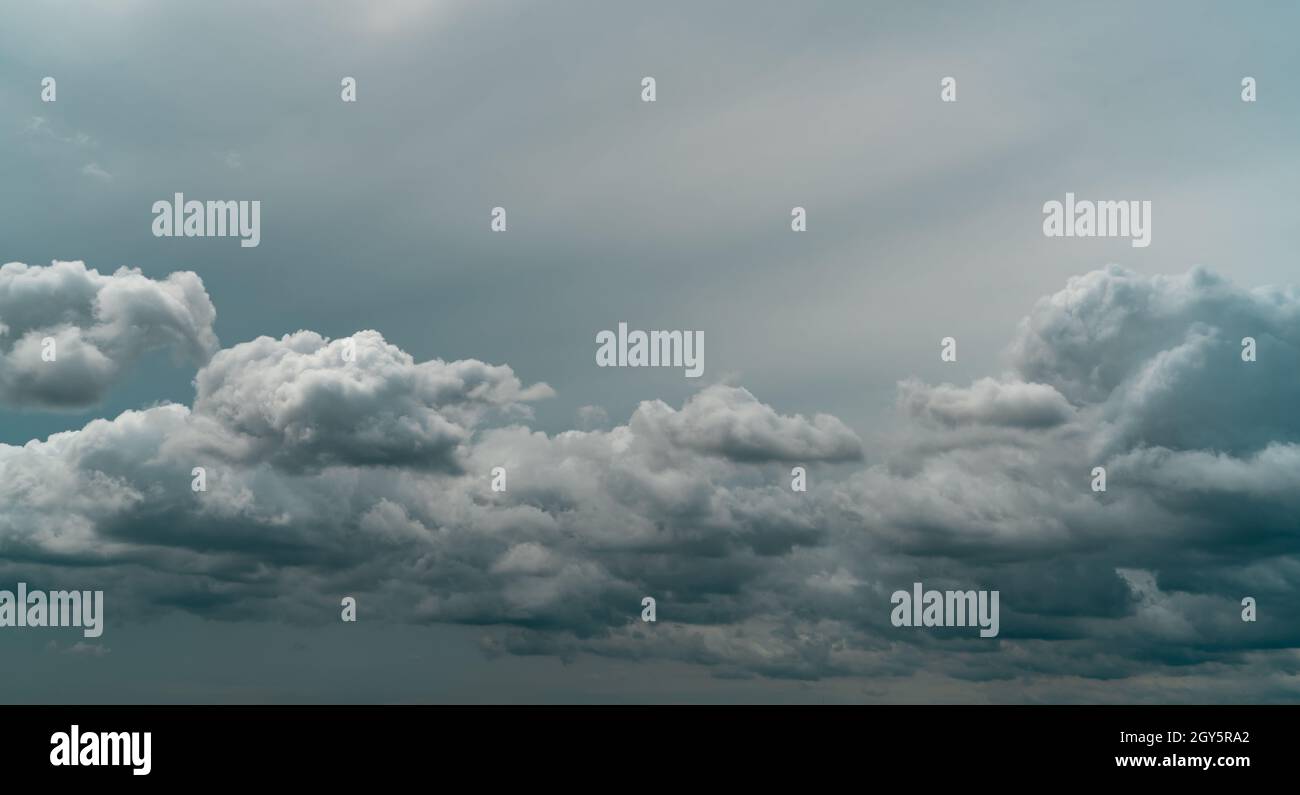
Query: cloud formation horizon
x,y
368,475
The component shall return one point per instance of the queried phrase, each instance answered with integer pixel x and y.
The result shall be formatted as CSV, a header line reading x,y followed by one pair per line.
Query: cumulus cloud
x,y
68,333
305,401
1160,357
730,422
370,475
986,402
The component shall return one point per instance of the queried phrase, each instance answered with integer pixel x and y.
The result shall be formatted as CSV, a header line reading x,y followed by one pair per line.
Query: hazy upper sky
x,y
924,221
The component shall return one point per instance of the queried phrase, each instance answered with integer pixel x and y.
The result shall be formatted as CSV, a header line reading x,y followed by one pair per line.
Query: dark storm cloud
x,y
369,476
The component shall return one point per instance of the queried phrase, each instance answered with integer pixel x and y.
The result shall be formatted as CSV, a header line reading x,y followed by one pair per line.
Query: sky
x,y
476,349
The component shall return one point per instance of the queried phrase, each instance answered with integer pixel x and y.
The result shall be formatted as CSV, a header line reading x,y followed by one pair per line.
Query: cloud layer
x,y
344,467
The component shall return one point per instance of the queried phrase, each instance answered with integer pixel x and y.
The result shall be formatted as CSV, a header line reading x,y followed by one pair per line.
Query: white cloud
x,y
100,324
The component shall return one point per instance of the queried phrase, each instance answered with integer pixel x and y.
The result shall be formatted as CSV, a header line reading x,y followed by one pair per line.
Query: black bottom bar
x,y
673,745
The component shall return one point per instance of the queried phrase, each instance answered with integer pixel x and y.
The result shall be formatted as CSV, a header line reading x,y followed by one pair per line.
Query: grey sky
x,y
924,222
